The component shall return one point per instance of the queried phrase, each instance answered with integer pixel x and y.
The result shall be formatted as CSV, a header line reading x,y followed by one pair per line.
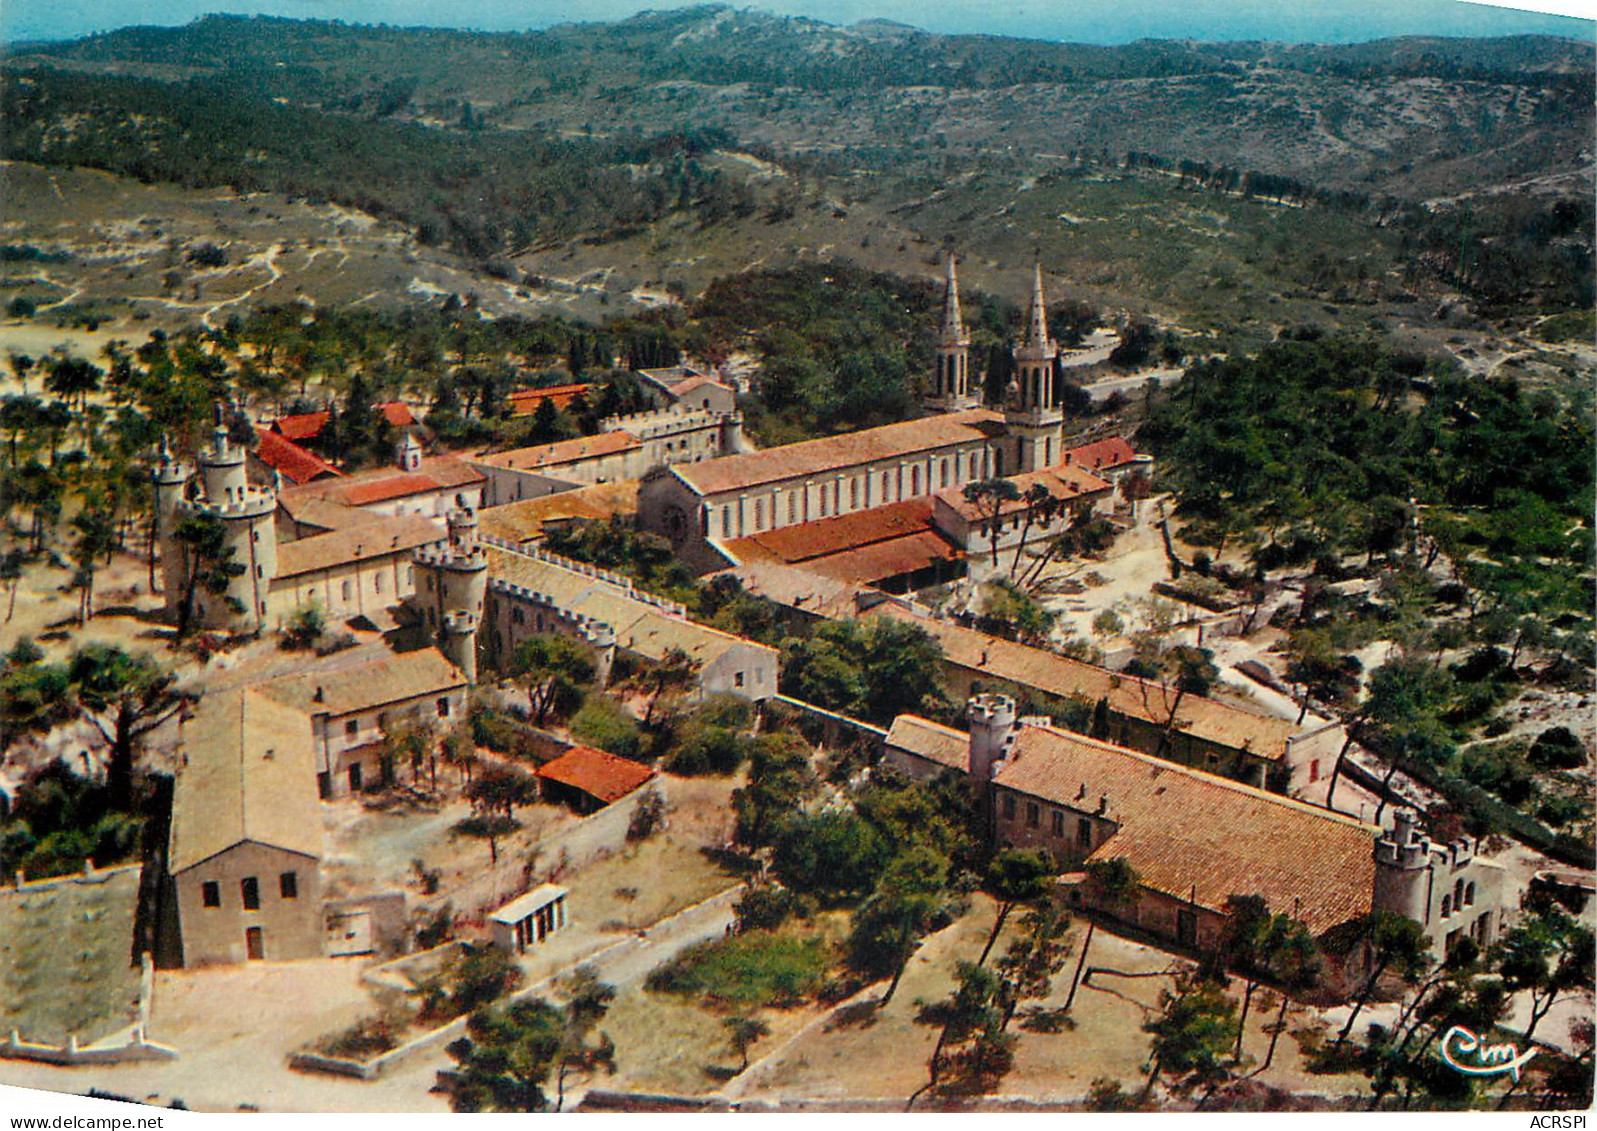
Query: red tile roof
x,y
837,453
834,535
309,425
598,773
1063,483
438,473
1113,452
295,463
869,545
525,402
396,413
1198,836
301,426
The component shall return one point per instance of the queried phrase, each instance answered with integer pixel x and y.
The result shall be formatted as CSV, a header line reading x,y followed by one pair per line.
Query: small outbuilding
x,y
588,779
529,919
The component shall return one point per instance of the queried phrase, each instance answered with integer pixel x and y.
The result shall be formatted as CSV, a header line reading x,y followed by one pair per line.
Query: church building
x,y
699,505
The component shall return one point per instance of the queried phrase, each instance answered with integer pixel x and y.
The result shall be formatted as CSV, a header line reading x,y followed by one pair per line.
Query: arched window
x,y
344,589
1447,906
1469,895
914,481
1458,893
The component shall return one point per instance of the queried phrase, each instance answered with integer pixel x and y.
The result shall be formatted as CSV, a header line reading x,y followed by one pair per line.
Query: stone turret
x,y
1402,863
451,588
1031,411
169,479
731,438
951,385
993,728
246,514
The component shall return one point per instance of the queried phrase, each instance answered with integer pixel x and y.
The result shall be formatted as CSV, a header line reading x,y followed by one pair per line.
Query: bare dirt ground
x,y
883,1054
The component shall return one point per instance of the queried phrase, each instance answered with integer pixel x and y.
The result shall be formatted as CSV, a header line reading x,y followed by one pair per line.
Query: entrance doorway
x,y
354,777
255,943
1187,928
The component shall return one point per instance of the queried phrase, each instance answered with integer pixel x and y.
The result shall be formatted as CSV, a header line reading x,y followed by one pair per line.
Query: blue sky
x,y
1090,21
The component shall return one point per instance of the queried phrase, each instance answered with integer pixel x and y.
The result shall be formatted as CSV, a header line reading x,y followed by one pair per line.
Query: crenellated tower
x,y
1032,414
451,586
248,543
951,389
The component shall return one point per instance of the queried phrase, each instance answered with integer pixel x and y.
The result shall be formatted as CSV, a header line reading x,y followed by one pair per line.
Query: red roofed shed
x,y
588,779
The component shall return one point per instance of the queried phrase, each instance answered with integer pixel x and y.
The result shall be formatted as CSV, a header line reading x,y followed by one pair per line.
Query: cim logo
x,y
1469,1054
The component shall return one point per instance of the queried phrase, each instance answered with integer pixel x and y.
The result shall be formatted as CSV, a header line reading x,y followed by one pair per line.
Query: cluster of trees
x,y
480,193
61,815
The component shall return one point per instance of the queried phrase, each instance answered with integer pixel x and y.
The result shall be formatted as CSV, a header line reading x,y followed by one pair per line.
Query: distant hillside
x,y
1225,182
1399,115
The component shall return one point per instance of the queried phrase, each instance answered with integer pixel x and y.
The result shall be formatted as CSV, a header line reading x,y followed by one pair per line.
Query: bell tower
x,y
1032,414
951,389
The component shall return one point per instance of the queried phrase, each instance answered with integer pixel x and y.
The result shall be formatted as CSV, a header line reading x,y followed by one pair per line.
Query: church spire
x,y
953,322
1036,335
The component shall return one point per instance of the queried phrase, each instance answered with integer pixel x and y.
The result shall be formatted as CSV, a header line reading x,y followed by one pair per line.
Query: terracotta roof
x,y
1202,837
598,773
1062,482
1204,718
438,473
524,402
1114,452
834,453
932,741
900,556
825,536
687,385
349,688
300,426
295,463
563,451
396,413
361,542
525,521
250,775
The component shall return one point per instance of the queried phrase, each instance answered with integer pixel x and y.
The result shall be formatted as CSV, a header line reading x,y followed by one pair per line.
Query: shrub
x,y
707,750
759,968
1557,748
603,724
764,907
648,816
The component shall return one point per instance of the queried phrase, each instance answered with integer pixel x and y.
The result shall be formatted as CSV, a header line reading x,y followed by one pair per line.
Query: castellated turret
x,y
1402,864
246,515
993,728
451,586
169,479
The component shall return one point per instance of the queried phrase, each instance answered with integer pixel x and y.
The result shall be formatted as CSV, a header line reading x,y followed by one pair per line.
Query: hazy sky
x,y
1090,21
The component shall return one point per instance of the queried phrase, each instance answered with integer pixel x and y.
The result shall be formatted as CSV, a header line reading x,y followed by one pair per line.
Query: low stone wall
x,y
134,1046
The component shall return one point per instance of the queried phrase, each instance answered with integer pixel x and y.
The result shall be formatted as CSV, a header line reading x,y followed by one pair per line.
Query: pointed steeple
x,y
1036,335
953,322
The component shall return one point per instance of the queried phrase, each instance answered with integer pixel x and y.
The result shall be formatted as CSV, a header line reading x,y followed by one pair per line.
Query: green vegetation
x,y
482,194
874,669
754,969
506,1060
